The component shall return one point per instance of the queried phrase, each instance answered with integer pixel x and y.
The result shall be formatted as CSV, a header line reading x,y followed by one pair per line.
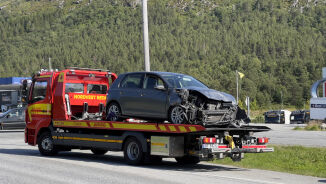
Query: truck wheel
x,y
45,144
113,112
189,160
177,115
99,151
133,151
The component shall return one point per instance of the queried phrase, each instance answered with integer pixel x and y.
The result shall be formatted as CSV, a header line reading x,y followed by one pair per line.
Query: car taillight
x,y
262,140
209,140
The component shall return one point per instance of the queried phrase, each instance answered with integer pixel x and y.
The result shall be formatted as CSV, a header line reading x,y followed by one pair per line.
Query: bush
x,y
258,119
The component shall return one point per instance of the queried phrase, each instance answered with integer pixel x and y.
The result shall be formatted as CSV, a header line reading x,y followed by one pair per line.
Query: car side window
x,y
151,82
132,81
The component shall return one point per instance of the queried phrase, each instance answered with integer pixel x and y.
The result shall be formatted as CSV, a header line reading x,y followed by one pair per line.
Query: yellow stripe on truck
x,y
182,129
99,125
70,123
193,129
134,126
87,139
172,128
41,109
157,144
162,127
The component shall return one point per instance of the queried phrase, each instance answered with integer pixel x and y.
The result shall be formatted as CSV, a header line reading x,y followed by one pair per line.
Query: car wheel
x,y
99,151
133,151
46,145
190,160
113,112
177,115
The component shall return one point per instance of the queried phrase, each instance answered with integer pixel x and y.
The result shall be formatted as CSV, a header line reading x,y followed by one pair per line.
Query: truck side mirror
x,y
24,92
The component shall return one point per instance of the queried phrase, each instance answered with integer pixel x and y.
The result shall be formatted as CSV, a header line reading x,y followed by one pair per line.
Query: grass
x,y
292,159
312,126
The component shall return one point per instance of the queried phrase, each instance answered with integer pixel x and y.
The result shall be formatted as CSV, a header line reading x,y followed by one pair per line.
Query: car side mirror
x,y
160,87
8,116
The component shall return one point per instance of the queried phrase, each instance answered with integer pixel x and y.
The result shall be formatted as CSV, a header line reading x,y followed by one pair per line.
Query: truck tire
x,y
99,151
188,160
45,144
133,151
113,112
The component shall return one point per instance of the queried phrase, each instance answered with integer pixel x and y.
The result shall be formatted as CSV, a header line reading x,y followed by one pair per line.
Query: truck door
x,y
39,104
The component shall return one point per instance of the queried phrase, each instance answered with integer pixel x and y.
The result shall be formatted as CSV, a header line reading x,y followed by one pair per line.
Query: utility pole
x,y
281,99
50,65
237,78
146,40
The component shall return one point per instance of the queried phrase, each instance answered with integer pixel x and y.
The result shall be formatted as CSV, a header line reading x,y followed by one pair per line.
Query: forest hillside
x,y
279,45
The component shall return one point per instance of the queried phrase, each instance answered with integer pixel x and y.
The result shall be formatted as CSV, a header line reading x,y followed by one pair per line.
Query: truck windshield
x,y
39,91
183,81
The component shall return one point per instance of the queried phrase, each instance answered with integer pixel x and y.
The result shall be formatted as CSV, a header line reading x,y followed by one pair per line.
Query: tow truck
x,y
66,110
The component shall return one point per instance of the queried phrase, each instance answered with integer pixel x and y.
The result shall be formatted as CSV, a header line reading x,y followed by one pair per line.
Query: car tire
x,y
177,115
46,145
133,151
96,151
113,112
187,160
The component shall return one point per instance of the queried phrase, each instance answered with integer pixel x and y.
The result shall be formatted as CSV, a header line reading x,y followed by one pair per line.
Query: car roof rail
x,y
89,69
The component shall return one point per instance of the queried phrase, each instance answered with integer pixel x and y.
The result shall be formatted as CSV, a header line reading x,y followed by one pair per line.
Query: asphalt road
x,y
20,163
285,135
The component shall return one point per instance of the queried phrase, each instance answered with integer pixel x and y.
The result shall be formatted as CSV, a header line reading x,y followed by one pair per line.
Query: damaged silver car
x,y
177,98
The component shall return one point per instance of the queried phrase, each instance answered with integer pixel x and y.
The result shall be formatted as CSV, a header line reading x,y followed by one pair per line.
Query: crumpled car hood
x,y
214,94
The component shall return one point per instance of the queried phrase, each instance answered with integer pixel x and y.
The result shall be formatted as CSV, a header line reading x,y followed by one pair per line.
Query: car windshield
x,y
182,81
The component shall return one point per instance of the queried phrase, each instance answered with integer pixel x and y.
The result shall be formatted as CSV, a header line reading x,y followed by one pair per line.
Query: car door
x,y
129,94
154,98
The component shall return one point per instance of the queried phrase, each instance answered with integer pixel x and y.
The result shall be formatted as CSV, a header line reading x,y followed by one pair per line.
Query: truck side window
x,y
39,91
74,88
96,89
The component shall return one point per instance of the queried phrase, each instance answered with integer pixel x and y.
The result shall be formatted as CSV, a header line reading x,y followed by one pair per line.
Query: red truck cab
x,y
71,94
